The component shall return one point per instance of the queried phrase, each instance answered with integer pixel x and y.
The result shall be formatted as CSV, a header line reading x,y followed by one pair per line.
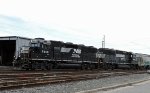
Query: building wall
x,y
20,41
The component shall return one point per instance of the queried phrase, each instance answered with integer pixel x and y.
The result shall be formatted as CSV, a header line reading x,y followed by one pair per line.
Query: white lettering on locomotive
x,y
76,51
120,55
98,55
75,55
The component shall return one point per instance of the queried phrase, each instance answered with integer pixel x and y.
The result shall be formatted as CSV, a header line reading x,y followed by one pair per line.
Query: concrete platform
x,y
143,87
139,86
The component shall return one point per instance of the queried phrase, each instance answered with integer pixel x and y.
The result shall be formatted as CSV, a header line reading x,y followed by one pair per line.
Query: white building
x,y
10,48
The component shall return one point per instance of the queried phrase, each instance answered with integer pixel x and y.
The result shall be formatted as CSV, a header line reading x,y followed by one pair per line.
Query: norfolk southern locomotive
x,y
44,54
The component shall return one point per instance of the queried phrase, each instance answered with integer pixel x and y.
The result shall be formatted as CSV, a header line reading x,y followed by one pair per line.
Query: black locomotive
x,y
114,59
44,54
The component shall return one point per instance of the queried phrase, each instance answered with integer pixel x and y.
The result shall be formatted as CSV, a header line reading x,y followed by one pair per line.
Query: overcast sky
x,y
125,23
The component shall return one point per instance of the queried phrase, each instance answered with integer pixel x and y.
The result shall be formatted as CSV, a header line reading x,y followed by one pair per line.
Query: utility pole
x,y
103,42
102,59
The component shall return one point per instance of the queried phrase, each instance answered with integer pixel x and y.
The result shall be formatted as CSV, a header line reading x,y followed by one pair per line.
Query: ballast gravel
x,y
77,86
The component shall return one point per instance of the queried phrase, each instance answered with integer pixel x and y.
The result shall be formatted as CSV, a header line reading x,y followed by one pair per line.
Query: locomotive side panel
x,y
107,58
89,57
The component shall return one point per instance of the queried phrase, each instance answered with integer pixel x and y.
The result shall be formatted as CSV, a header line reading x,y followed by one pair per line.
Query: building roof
x,y
9,37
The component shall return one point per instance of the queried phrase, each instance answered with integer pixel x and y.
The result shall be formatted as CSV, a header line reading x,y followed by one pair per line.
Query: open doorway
x,y
7,52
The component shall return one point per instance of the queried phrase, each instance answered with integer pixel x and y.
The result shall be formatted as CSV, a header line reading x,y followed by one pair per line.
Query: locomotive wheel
x,y
32,68
112,67
105,66
92,66
83,66
147,67
50,66
27,69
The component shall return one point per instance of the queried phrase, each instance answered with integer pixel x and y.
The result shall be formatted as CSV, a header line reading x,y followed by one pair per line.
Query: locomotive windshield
x,y
35,45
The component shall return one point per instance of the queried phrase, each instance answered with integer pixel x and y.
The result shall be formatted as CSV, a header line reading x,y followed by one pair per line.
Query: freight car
x,y
42,54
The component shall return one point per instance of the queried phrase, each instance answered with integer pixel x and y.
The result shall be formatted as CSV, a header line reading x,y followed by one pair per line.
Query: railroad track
x,y
17,80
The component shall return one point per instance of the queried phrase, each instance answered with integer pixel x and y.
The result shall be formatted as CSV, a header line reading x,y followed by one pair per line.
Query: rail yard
x,y
74,46
35,63
16,80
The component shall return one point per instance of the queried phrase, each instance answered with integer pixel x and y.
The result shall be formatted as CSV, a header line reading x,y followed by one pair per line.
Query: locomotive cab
x,y
40,49
25,49
35,46
24,54
36,56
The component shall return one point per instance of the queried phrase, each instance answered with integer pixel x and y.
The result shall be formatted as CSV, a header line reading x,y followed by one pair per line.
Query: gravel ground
x,y
77,86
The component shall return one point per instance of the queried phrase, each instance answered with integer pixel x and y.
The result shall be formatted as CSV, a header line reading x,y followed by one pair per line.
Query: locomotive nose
x,y
25,49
